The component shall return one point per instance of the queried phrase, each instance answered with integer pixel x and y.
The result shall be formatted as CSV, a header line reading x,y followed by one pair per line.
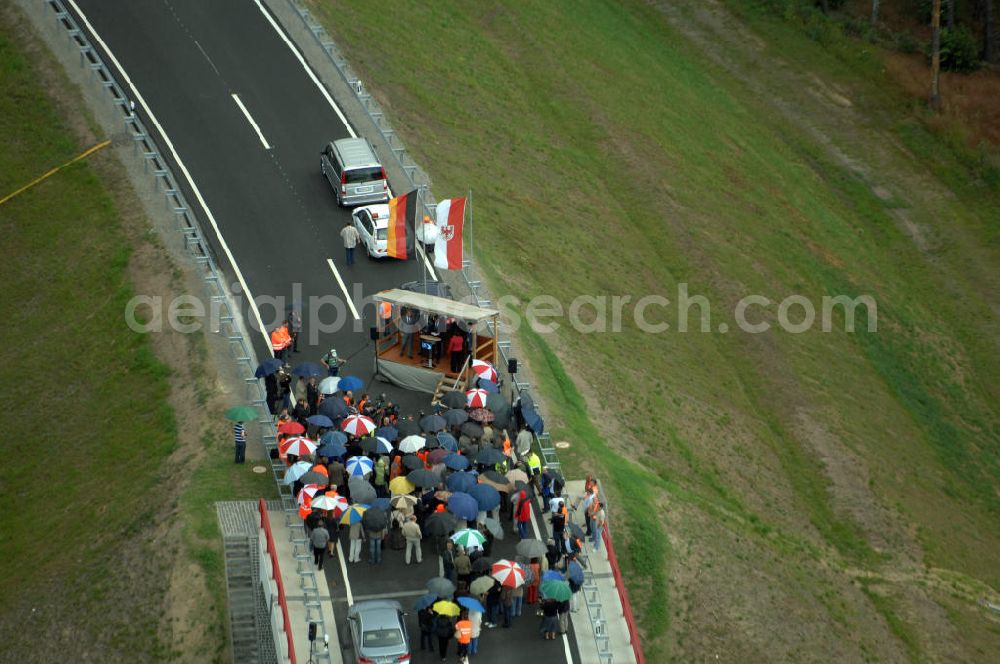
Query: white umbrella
x,y
411,444
297,470
358,425
328,385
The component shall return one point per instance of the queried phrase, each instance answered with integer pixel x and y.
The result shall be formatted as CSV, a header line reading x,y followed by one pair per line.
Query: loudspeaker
x,y
512,366
373,333
312,631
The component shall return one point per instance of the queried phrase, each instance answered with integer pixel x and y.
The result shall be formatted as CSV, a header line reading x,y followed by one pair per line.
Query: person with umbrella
x,y
463,567
240,441
425,618
550,619
375,522
444,630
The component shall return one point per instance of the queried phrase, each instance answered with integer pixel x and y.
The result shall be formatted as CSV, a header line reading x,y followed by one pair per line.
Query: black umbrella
x,y
441,587
362,490
576,530
455,417
489,456
501,410
532,548
433,423
423,478
333,408
268,367
495,476
313,477
412,462
440,524
481,565
472,430
453,399
374,519
407,428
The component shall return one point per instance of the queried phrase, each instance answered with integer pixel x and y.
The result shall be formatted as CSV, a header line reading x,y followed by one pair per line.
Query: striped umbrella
x,y
306,495
358,425
299,446
359,466
506,572
469,537
353,514
336,504
485,370
476,398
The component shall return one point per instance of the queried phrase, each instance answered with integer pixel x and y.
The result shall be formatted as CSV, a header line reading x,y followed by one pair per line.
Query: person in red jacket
x,y
523,514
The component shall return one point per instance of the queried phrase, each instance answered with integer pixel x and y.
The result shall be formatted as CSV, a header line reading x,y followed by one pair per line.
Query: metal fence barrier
x,y
194,243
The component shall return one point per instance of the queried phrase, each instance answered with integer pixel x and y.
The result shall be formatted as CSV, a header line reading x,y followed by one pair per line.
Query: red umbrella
x,y
485,370
291,427
508,573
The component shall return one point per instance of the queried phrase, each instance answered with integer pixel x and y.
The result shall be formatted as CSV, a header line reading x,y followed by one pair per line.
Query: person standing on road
x,y
354,533
444,631
350,236
411,531
320,537
448,560
463,634
523,514
463,568
375,538
425,618
476,618
240,441
294,327
332,362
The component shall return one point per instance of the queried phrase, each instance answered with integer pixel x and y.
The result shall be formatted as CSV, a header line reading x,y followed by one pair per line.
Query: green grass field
x,y
753,477
88,485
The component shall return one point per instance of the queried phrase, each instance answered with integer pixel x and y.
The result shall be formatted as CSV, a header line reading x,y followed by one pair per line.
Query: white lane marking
x,y
326,95
184,170
323,91
253,123
569,653
343,572
208,58
534,526
340,281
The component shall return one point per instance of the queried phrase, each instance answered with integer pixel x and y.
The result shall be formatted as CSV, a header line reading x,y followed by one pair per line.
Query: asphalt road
x,y
273,207
277,214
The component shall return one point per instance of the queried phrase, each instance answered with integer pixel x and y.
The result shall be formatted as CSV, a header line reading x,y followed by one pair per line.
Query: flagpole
x,y
472,244
423,263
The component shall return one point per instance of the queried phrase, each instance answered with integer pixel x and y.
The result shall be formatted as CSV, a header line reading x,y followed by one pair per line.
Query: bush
x,y
959,51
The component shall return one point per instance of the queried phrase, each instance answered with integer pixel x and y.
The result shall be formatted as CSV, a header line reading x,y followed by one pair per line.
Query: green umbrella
x,y
241,413
557,590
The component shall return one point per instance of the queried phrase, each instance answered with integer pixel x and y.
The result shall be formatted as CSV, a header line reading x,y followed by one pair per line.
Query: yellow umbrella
x,y
401,485
446,608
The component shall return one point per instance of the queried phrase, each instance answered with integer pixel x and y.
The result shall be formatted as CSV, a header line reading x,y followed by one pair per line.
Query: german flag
x,y
402,216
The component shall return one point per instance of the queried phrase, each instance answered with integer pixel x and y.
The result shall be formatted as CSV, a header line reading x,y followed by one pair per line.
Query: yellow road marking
x,y
55,170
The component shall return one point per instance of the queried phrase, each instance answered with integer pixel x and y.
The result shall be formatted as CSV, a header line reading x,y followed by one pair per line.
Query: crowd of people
x,y
381,480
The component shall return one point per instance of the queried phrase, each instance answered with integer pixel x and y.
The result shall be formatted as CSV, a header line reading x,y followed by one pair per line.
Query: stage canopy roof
x,y
435,305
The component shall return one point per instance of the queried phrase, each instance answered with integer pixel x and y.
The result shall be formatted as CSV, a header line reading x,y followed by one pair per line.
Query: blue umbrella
x,y
350,383
384,504
389,433
552,575
268,367
359,466
321,421
575,572
307,369
488,385
460,481
424,601
471,603
447,441
331,450
463,506
456,462
489,456
486,496
533,420
333,438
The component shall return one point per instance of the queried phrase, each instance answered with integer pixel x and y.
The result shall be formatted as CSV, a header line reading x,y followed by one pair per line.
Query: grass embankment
x,y
755,478
102,508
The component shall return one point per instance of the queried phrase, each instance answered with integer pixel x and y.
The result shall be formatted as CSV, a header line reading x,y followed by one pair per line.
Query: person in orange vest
x,y
396,469
463,634
385,313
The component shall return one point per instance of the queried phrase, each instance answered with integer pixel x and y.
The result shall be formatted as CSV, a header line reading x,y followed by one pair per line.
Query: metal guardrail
x,y
189,229
379,120
272,552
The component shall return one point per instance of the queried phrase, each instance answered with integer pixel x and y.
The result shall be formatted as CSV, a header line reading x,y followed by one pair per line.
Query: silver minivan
x,y
354,172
